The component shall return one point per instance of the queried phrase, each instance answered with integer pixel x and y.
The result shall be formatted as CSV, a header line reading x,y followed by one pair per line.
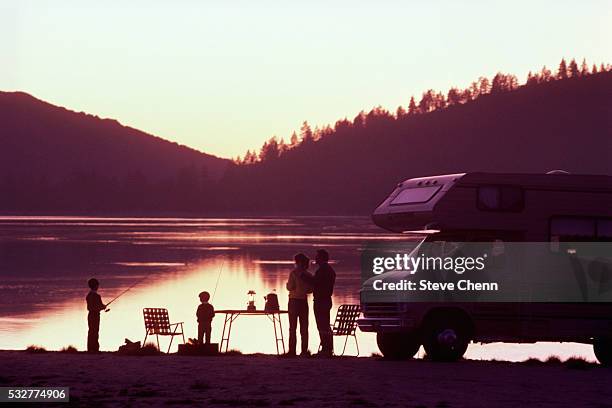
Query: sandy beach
x,y
108,379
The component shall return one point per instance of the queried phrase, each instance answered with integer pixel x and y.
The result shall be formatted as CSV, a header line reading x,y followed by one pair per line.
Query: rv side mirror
x,y
554,244
498,248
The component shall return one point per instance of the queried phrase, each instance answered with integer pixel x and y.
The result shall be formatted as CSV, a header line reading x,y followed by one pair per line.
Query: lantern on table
x,y
251,303
271,304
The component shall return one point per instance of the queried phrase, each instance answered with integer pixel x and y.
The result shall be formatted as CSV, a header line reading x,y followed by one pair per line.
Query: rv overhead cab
x,y
473,205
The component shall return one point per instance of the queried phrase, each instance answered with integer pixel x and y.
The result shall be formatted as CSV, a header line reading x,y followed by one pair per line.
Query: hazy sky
x,y
224,76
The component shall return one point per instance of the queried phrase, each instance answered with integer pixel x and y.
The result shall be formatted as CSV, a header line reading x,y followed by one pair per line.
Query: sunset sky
x,y
223,77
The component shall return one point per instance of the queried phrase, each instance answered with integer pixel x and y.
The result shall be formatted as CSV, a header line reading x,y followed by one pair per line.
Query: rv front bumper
x,y
385,317
379,324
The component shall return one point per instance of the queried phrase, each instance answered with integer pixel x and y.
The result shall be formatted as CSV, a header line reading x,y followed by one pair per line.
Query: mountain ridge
x,y
563,124
52,157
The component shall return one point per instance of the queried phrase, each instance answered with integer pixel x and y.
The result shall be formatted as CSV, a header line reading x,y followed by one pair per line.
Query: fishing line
x,y
218,277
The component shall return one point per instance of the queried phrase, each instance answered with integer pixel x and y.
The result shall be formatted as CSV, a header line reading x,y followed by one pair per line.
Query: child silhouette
x,y
205,314
94,307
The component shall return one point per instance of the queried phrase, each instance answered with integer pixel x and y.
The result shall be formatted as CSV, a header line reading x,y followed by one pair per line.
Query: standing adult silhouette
x,y
298,304
323,283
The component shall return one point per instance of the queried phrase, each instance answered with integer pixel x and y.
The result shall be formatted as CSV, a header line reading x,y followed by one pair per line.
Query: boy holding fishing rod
x,y
94,307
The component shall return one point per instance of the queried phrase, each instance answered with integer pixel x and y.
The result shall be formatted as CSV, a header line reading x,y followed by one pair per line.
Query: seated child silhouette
x,y
205,314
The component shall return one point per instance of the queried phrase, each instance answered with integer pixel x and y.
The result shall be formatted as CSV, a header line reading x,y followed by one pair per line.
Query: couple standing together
x,y
321,285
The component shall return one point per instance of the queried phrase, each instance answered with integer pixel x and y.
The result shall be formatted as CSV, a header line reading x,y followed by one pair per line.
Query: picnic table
x,y
231,315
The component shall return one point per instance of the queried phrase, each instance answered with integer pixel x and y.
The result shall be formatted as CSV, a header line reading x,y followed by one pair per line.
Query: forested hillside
x,y
56,161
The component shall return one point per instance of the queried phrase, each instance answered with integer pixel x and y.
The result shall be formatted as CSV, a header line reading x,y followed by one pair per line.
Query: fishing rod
x,y
218,277
145,277
124,292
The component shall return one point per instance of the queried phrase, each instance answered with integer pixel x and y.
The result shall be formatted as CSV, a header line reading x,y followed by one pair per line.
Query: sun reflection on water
x,y
178,292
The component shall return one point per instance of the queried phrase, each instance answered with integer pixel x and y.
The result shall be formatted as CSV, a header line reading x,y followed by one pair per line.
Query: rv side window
x,y
572,229
500,198
415,195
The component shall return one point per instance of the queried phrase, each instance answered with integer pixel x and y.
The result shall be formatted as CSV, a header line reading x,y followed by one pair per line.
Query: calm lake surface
x,y
45,263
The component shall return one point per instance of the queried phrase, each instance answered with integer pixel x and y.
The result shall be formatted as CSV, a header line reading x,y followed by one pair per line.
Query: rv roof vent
x,y
558,172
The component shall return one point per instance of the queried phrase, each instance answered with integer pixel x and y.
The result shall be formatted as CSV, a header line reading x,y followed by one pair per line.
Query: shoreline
x,y
110,379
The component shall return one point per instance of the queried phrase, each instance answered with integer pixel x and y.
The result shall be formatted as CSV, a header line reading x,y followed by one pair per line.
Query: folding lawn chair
x,y
158,323
346,324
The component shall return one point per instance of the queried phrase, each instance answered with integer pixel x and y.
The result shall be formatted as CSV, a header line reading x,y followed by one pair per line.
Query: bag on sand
x,y
194,348
129,347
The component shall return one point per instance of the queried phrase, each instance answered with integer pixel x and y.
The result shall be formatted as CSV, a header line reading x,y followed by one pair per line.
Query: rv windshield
x,y
415,195
439,245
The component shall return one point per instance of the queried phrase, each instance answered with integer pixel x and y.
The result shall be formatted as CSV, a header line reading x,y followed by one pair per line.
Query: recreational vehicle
x,y
558,211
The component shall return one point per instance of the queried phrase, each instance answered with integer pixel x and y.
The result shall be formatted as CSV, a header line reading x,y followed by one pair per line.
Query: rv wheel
x,y
445,339
603,351
398,346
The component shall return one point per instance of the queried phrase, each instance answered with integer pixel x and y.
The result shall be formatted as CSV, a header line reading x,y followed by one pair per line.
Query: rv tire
x,y
445,339
398,346
603,351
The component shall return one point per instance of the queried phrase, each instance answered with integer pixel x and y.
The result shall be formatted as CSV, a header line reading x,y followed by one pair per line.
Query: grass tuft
x,y
574,363
35,349
554,360
578,363
533,361
148,349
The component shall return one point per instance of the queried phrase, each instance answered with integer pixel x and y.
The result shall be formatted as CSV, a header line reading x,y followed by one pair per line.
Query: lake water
x,y
45,263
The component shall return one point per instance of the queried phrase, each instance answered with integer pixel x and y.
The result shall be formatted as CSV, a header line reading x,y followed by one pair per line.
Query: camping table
x,y
231,315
